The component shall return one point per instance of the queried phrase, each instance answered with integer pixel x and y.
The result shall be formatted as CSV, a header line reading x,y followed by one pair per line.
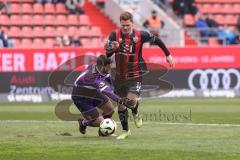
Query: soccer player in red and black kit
x,y
127,44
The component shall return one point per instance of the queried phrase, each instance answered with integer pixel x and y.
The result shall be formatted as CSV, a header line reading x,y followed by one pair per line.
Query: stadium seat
x,y
27,8
4,20
61,9
50,32
49,42
96,43
86,43
14,32
213,42
227,8
15,8
38,32
38,20
61,20
216,8
16,43
206,8
15,20
26,43
72,31
27,32
73,20
95,32
230,19
84,20
189,20
50,20
38,43
27,20
84,32
60,31
38,8
49,8
236,8
220,19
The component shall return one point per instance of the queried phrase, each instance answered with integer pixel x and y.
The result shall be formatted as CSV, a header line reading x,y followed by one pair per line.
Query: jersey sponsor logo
x,y
214,79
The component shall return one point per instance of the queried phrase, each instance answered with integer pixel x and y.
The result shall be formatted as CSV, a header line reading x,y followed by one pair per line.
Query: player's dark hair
x,y
103,60
126,16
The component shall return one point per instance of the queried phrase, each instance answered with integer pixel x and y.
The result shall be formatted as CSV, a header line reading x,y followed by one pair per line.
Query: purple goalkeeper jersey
x,y
93,79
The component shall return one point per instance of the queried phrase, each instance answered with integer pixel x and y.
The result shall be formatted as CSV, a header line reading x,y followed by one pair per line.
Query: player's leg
x,y
107,109
135,111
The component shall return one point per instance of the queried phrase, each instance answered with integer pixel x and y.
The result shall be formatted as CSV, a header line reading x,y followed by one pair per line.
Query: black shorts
x,y
123,87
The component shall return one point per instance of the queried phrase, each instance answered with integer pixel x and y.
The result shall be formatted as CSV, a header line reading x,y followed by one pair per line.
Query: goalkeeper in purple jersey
x,y
91,94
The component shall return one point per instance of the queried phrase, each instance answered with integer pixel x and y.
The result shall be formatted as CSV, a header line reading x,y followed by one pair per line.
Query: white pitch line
x,y
160,123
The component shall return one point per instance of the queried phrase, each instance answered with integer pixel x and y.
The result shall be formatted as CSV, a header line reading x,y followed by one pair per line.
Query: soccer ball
x,y
108,126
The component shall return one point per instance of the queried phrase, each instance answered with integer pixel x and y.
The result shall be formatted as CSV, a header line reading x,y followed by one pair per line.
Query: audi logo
x,y
214,79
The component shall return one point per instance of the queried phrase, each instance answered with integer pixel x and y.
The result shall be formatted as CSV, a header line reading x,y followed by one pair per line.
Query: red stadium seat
x,y
38,8
60,31
213,42
27,8
230,19
50,32
61,8
4,20
15,20
38,32
72,31
27,32
236,8
84,32
86,43
15,8
50,20
227,8
49,8
216,8
189,20
16,43
27,20
14,32
26,43
220,19
61,20
49,42
38,20
84,20
38,43
96,43
73,20
95,32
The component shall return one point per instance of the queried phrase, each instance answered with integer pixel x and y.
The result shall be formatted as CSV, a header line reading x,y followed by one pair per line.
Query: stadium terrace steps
x,y
98,18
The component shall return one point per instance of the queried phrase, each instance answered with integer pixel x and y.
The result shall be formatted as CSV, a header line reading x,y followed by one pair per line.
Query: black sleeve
x,y
112,36
148,37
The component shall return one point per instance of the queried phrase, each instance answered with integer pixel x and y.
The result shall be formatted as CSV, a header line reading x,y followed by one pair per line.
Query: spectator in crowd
x,y
76,41
182,7
58,42
238,23
211,22
75,6
202,26
213,25
5,42
154,23
66,41
5,5
231,36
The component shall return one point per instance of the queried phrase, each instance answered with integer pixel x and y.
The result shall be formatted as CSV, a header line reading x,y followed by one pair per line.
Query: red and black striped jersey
x,y
129,60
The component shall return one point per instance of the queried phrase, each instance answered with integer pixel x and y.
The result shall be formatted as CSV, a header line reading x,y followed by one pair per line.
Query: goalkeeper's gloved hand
x,y
129,103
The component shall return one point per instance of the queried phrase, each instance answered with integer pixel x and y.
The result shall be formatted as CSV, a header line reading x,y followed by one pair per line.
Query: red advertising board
x,y
41,60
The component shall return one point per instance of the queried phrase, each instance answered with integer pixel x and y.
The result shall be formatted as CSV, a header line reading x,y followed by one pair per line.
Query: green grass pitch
x,y
174,129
